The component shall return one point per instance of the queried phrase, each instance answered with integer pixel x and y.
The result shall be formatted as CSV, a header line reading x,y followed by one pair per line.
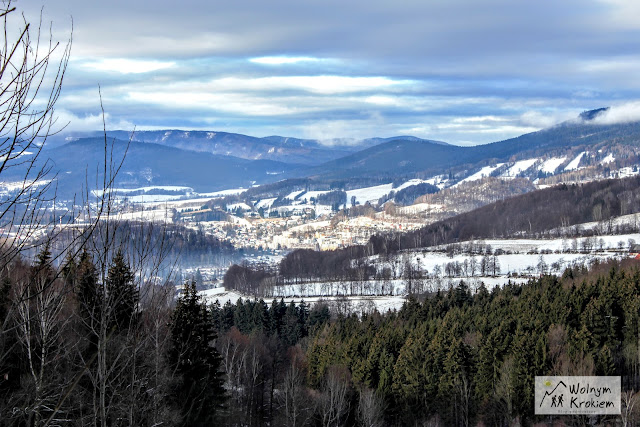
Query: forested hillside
x,y
457,358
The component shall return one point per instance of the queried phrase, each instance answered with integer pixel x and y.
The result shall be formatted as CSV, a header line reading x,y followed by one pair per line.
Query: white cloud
x,y
541,119
283,60
126,66
239,103
89,122
332,132
623,13
324,84
623,113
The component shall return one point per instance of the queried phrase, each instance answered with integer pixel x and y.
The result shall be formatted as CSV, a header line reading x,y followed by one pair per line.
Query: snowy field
x,y
608,159
518,167
573,164
550,165
369,194
482,173
357,303
502,261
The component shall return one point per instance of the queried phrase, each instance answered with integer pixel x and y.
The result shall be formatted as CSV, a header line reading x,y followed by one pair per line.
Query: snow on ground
x,y
323,210
482,173
518,267
520,264
298,207
573,164
293,195
222,295
153,198
234,206
419,208
237,220
607,159
550,165
265,203
358,303
439,181
121,191
13,156
310,226
19,185
518,167
177,204
223,193
413,182
631,219
150,215
526,245
369,194
627,171
313,194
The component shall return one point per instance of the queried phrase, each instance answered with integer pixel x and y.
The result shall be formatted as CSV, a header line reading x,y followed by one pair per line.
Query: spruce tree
x,y
199,393
86,288
122,292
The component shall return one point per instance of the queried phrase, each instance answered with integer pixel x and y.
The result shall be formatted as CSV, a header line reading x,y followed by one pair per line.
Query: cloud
x,y
89,122
546,119
126,66
283,60
458,71
322,84
332,132
623,113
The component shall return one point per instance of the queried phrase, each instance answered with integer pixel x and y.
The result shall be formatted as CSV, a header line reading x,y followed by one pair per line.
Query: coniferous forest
x,y
81,345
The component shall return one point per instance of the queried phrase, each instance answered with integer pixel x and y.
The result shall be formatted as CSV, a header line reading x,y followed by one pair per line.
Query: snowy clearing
x,y
369,194
550,165
519,167
482,173
573,164
608,159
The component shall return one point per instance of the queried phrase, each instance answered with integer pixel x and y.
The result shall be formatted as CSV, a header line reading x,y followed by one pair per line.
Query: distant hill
x,y
153,164
397,157
427,158
278,148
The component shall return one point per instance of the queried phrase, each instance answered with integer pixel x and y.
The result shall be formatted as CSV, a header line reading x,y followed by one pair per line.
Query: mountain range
x,y
210,161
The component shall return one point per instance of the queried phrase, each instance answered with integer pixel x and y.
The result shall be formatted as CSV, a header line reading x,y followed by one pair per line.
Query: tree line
x,y
456,358
459,358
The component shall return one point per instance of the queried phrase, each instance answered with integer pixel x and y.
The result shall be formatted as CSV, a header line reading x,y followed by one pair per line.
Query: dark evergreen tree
x,y
199,391
122,293
88,294
42,270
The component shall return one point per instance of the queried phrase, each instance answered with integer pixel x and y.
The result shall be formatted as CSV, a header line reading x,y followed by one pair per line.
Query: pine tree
x,y
89,300
122,292
86,287
69,271
42,271
291,329
200,393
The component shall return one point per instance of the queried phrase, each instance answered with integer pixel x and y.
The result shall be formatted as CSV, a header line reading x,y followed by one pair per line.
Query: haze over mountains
x,y
211,161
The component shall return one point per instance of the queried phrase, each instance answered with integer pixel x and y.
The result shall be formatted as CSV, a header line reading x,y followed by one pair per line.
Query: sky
x,y
462,71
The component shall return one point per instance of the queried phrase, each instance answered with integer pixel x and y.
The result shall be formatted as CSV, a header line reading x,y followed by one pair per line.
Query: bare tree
x,y
40,322
30,84
629,409
334,399
370,408
295,403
